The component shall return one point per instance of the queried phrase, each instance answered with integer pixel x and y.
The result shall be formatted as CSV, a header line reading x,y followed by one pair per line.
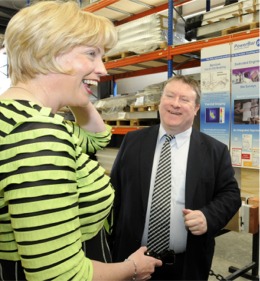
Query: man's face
x,y
177,107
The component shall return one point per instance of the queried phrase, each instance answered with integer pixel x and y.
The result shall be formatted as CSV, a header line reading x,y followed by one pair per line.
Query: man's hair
x,y
37,34
194,84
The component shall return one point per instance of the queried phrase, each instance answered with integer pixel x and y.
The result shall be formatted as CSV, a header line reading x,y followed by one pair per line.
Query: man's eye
x,y
183,99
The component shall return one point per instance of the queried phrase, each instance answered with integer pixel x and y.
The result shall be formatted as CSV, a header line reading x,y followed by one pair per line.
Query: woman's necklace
x,y
32,98
17,87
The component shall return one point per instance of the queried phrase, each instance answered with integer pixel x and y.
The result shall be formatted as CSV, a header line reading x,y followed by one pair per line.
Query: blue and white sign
x,y
215,92
245,103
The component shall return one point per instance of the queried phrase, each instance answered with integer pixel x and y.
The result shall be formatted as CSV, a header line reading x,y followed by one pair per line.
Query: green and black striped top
x,y
52,196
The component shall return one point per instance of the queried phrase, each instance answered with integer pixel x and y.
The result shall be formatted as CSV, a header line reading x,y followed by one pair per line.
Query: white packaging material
x,y
140,36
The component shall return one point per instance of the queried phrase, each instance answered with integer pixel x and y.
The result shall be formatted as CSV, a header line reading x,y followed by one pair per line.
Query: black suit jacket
x,y
210,187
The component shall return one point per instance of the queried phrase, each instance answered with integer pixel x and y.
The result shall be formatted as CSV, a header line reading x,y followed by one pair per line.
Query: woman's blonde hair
x,y
37,34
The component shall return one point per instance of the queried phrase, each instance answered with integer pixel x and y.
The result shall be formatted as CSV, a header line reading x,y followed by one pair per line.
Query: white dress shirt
x,y
179,154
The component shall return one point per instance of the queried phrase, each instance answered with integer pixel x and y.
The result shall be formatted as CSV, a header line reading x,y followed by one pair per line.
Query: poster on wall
x,y
245,103
215,92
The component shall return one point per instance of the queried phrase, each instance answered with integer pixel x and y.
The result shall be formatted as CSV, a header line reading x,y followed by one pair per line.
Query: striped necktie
x,y
159,223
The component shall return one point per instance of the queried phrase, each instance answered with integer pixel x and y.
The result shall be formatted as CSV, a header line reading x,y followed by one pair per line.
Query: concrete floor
x,y
232,249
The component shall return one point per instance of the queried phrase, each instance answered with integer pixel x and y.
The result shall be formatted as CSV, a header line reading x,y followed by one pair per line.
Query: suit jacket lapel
x,y
194,165
148,143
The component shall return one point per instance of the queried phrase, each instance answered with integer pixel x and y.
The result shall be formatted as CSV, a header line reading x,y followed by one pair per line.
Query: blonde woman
x,y
55,200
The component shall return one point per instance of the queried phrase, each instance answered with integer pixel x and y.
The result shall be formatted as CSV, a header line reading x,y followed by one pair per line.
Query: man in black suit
x,y
204,192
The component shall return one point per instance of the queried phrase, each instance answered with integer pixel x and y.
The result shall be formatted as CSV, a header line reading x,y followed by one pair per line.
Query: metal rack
x,y
175,57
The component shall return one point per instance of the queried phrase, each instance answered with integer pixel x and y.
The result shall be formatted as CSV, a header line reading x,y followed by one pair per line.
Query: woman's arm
x,y
137,267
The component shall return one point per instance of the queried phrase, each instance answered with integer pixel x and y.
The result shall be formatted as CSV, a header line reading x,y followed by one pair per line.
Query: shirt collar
x,y
179,138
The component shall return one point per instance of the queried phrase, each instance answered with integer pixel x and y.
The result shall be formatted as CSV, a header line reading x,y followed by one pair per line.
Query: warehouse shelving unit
x,y
183,56
176,53
175,57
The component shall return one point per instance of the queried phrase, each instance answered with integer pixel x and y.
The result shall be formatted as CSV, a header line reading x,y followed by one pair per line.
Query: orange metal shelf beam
x,y
124,130
137,59
198,45
129,74
188,64
152,70
182,49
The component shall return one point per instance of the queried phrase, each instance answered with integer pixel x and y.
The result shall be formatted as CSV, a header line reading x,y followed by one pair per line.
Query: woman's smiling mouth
x,y
88,83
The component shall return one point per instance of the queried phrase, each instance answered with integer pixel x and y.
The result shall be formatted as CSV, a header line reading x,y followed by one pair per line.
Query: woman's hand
x,y
143,265
88,118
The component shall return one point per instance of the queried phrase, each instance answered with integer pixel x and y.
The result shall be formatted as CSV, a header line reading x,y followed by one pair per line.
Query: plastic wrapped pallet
x,y
139,36
142,35
150,95
114,108
110,107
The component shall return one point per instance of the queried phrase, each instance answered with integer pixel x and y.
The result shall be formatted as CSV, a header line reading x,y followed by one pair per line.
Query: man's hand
x,y
195,221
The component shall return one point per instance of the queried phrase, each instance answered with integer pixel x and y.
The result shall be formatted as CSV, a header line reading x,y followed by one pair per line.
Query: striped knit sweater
x,y
52,196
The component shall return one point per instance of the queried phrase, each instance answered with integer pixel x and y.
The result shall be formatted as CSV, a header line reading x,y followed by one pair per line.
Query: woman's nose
x,y
100,68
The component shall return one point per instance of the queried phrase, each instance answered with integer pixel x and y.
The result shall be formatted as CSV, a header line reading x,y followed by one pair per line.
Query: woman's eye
x,y
92,53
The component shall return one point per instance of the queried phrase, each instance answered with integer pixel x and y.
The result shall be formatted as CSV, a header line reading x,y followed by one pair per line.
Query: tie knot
x,y
168,138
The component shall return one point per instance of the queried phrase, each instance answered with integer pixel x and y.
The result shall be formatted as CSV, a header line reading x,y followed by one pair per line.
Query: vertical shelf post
x,y
170,35
207,5
114,88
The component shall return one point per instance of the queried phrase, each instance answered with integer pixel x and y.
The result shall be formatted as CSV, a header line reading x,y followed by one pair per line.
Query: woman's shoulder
x,y
19,114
